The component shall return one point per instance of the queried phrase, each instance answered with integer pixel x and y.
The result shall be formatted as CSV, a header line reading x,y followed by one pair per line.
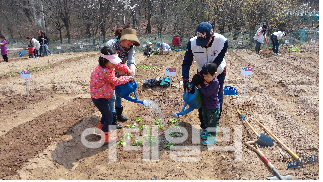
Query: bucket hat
x,y
130,34
204,31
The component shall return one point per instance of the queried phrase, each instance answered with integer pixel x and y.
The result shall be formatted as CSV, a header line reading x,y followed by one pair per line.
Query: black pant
x,y
36,53
5,57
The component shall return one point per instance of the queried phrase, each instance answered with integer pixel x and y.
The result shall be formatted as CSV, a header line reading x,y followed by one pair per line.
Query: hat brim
x,y
202,42
114,59
130,37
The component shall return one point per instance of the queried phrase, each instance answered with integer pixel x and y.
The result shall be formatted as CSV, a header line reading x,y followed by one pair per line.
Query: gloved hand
x,y
186,86
197,80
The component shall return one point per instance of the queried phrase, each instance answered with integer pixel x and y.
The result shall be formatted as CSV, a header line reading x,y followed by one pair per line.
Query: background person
x,y
103,82
35,45
163,48
125,50
3,46
45,40
148,49
275,38
30,51
206,47
260,37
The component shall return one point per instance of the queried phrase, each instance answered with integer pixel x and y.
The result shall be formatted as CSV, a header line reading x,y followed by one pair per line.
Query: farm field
x,y
40,135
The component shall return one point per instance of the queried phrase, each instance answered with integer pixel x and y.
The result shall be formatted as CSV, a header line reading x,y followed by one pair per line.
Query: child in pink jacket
x,y
103,82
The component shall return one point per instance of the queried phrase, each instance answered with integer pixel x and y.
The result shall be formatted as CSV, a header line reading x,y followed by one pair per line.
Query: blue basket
x,y
229,90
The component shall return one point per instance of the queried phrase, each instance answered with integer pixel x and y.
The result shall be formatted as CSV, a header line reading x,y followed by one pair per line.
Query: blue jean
x,y
104,107
221,78
46,49
275,43
115,101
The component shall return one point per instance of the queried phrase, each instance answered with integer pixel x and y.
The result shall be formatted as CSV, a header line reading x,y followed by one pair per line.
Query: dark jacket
x,y
209,94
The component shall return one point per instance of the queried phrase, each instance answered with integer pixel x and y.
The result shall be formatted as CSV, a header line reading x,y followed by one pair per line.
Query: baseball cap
x,y
114,59
204,32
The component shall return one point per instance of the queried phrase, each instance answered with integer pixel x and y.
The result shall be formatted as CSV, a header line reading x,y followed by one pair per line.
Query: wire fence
x,y
237,40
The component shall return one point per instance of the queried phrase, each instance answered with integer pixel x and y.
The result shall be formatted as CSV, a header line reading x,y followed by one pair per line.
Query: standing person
x,y
206,47
45,40
41,42
209,88
260,37
34,44
3,46
275,38
126,50
103,82
164,48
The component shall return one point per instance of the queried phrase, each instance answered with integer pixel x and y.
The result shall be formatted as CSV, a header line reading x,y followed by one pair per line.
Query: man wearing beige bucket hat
x,y
125,49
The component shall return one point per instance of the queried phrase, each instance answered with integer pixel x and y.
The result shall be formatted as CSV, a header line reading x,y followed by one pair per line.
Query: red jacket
x,y
103,80
31,50
176,41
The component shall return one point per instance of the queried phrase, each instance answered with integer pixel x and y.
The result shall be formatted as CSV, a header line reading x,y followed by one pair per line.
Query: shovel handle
x,y
272,135
247,123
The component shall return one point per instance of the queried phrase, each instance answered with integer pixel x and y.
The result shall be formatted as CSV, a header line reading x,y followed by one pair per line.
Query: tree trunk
x,y
148,29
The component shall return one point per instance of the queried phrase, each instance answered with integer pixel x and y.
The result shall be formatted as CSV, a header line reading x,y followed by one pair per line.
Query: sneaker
x,y
274,54
278,54
204,133
210,140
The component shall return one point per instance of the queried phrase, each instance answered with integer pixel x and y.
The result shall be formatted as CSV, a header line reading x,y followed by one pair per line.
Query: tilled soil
x,y
40,135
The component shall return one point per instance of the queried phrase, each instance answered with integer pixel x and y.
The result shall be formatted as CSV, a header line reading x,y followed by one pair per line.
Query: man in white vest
x,y
206,47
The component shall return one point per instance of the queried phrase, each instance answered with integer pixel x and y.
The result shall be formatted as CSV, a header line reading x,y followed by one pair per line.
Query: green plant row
x,y
294,49
36,68
139,142
146,67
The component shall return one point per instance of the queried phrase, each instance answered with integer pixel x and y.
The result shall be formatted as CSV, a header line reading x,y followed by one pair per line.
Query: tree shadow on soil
x,y
70,151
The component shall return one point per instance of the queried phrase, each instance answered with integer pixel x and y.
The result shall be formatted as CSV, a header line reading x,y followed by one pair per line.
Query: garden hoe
x,y
263,157
298,161
263,140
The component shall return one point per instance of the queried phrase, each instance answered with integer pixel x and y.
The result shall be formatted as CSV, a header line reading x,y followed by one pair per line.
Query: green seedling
x,y
138,120
161,126
12,73
170,145
150,66
128,135
142,127
151,141
155,67
148,136
132,125
172,121
174,134
121,142
157,121
138,142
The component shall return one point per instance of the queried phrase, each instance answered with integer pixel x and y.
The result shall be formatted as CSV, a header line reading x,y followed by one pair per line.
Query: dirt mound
x,y
41,135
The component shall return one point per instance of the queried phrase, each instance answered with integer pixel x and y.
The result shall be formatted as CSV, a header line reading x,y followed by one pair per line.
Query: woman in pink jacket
x,y
103,82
